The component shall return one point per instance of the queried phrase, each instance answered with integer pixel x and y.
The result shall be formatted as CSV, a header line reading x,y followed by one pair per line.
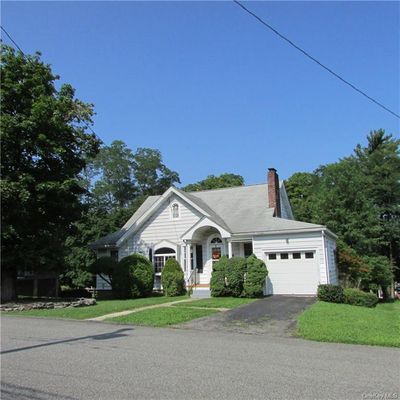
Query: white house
x,y
197,228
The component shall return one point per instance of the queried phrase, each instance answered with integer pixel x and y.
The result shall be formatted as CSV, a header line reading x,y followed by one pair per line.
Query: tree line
x,y
358,198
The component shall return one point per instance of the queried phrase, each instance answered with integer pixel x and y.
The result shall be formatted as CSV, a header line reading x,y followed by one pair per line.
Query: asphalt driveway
x,y
274,315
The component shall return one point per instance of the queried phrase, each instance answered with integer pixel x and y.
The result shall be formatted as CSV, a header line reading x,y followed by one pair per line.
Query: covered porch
x,y
203,246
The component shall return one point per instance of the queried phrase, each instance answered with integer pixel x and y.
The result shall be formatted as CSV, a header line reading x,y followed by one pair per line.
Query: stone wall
x,y
45,305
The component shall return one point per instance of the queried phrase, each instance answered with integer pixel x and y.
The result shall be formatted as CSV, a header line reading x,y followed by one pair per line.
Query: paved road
x,y
274,315
54,359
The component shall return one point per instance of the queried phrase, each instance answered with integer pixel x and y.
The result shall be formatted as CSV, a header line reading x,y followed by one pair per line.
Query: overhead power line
x,y
315,60
12,40
19,48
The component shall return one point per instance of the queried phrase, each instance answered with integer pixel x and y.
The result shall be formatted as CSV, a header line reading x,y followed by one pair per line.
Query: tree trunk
x,y
8,286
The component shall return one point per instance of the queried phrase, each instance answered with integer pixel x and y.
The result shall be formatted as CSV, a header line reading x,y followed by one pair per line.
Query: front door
x,y
215,249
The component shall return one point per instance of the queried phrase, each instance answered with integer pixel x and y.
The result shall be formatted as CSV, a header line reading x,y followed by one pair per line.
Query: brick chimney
x,y
274,198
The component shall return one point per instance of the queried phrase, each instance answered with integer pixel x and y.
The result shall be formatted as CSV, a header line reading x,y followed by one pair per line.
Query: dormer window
x,y
175,211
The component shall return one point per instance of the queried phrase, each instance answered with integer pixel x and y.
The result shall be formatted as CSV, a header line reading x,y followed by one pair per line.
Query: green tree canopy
x,y
44,149
215,182
357,197
111,173
151,175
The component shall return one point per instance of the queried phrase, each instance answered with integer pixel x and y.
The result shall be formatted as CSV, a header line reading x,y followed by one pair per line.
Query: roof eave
x,y
283,231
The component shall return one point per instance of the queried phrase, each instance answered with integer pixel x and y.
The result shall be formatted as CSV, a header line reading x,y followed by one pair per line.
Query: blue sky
x,y
213,89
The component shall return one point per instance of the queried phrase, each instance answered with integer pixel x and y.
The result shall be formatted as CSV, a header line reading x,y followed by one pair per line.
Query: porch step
x,y
201,293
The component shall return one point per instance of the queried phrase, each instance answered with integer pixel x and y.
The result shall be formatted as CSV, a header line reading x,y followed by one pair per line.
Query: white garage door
x,y
295,272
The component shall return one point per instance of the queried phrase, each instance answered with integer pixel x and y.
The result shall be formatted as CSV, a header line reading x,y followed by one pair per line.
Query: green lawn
x,y
329,322
217,302
162,316
101,308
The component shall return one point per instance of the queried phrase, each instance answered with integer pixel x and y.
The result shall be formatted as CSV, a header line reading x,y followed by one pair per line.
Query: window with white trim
x,y
161,256
175,210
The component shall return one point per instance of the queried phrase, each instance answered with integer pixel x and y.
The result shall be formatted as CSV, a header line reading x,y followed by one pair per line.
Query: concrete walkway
x,y
134,310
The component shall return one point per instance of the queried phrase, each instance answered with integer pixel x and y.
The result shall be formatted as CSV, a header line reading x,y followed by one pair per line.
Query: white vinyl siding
x,y
160,226
292,276
331,259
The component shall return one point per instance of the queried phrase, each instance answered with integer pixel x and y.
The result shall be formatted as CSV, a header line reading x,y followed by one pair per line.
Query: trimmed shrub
x,y
218,282
67,292
330,293
105,267
133,277
172,278
235,276
121,279
255,277
356,297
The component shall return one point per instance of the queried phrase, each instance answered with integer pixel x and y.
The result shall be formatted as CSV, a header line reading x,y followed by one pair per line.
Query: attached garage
x,y
292,272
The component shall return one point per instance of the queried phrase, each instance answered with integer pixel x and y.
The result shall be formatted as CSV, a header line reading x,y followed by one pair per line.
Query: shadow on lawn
x,y
102,336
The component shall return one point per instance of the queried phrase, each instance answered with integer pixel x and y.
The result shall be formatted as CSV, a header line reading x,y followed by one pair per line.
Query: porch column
x,y
229,249
188,270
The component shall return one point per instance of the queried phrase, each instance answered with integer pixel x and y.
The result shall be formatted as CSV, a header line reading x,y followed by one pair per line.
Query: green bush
x,y
103,266
356,297
380,274
133,277
172,278
235,276
255,277
331,293
218,282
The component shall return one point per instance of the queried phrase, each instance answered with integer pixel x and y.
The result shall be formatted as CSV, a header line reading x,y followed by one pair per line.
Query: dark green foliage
x,y
112,173
43,151
352,268
357,197
238,277
172,278
94,223
235,276
255,277
151,175
215,182
105,267
68,293
218,282
356,297
133,277
379,275
330,293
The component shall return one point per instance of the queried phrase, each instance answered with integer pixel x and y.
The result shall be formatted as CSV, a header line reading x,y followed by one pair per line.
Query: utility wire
x,y
12,40
19,48
315,60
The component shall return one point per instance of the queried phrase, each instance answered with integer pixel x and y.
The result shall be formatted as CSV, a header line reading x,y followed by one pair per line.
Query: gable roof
x,y
239,210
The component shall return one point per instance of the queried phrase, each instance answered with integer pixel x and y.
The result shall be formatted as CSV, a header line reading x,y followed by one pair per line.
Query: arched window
x,y
161,256
175,210
216,249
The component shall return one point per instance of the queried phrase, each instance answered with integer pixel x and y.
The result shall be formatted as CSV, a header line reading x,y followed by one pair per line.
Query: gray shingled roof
x,y
242,209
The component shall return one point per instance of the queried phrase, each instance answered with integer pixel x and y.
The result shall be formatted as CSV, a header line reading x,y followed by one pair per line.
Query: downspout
x,y
325,256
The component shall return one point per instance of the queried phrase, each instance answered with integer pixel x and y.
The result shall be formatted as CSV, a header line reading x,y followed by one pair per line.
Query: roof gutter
x,y
283,231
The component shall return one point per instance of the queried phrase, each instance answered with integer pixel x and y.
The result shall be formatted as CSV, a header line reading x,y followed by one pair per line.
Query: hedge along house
x,y
197,228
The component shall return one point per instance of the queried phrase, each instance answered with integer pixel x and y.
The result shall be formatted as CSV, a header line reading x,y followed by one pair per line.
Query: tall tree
x,y
44,148
216,182
357,197
380,164
152,176
112,173
119,181
301,187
